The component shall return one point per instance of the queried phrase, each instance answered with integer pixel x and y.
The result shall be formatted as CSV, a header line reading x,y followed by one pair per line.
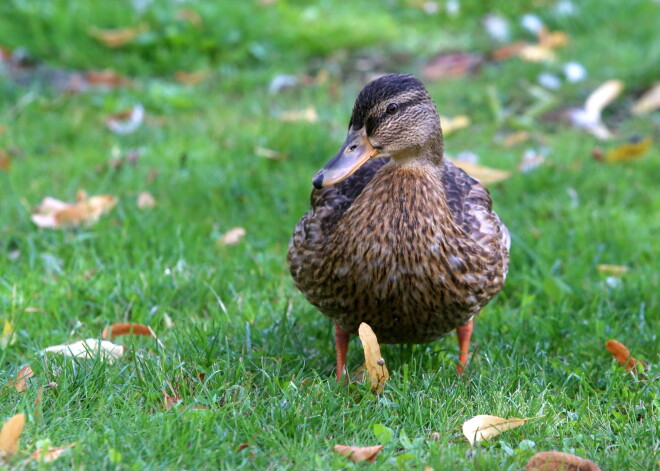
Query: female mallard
x,y
397,236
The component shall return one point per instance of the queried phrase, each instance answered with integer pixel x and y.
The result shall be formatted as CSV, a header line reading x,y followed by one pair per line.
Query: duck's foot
x,y
341,344
463,333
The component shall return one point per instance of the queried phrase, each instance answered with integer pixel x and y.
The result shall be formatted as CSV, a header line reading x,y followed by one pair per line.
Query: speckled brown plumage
x,y
408,242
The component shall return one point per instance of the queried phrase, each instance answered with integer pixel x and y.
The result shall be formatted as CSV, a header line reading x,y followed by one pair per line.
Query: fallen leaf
x,y
308,114
559,461
232,236
649,101
613,270
117,37
508,51
515,138
5,161
450,125
537,53
373,360
50,453
191,16
126,122
54,214
90,348
485,175
631,150
241,447
622,355
21,381
358,454
129,328
146,200
8,337
483,427
269,153
191,78
170,401
451,65
10,435
107,78
589,118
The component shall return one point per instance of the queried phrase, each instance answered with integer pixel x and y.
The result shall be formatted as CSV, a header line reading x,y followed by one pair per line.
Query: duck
x,y
397,236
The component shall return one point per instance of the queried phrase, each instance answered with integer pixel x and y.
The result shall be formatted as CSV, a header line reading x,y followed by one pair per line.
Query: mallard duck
x,y
397,236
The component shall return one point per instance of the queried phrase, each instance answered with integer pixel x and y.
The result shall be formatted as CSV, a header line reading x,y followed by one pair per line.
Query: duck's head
x,y
394,116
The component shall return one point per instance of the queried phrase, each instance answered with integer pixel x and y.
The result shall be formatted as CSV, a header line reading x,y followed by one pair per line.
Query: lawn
x,y
250,359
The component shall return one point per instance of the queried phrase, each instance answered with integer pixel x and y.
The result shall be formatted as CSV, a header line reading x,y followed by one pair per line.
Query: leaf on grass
x,y
631,150
170,401
118,37
50,453
107,78
21,381
589,117
451,65
54,214
126,122
129,328
146,200
373,360
90,348
530,160
484,427
515,138
649,101
622,355
191,16
8,337
358,454
5,161
232,237
269,153
308,115
10,435
485,175
612,270
191,78
450,125
559,461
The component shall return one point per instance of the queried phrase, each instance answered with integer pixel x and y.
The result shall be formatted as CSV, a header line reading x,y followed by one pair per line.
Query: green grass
x,y
266,354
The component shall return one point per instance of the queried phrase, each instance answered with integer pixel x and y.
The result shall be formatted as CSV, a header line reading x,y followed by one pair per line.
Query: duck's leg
x,y
463,333
341,344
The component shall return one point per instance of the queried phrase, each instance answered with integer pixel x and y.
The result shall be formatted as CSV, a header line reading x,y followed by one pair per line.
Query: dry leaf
x,y
613,270
308,114
373,360
191,16
50,454
5,161
515,138
449,125
90,348
649,101
451,65
358,454
559,461
7,338
129,328
170,401
485,175
269,153
126,122
632,150
117,37
10,435
21,381
508,51
232,236
483,427
622,355
54,214
107,78
191,78
146,200
537,53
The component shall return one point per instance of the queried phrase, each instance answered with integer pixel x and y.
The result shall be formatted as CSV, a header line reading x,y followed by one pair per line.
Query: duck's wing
x,y
472,208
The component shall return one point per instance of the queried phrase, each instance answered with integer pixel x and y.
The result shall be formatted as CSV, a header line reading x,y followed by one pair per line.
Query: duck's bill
x,y
355,151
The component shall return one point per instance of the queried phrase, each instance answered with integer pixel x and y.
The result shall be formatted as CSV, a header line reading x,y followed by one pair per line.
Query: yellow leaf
x,y
10,434
358,454
373,360
612,270
90,348
308,114
485,175
648,102
117,37
50,453
449,125
55,214
232,236
483,427
631,150
8,337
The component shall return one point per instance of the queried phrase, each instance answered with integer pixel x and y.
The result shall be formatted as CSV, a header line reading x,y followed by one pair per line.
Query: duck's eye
x,y
392,108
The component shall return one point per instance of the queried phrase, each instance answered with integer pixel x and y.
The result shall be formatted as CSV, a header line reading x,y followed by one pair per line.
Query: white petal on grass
x,y
483,427
90,348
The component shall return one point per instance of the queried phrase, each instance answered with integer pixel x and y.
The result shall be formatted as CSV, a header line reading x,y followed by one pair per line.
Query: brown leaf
x,y
241,447
612,270
622,355
232,236
373,360
485,175
50,454
117,37
170,401
107,78
21,381
191,16
129,328
484,427
508,51
559,461
191,78
5,161
11,434
358,454
451,65
146,200
649,101
55,214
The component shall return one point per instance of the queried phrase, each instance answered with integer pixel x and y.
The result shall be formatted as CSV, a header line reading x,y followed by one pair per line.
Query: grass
x,y
266,354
